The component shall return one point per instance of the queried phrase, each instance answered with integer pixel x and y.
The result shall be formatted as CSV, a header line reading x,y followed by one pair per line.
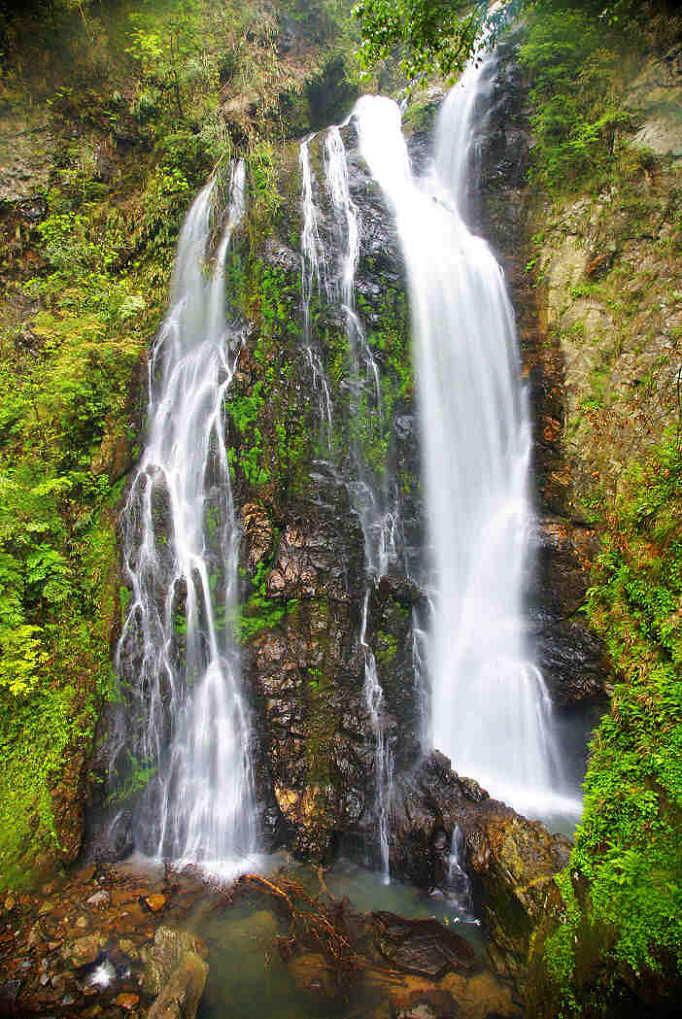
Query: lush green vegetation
x,y
576,67
438,36
429,36
141,100
616,929
621,905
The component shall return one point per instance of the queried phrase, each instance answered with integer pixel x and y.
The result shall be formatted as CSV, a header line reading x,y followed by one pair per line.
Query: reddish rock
x,y
127,1000
155,902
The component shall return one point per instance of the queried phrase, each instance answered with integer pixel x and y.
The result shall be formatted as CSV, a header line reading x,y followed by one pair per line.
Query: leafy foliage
x,y
623,891
439,36
575,66
429,35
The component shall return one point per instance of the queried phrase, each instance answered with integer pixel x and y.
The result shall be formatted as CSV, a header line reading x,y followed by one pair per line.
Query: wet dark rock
x,y
423,947
511,861
9,993
280,256
109,835
571,657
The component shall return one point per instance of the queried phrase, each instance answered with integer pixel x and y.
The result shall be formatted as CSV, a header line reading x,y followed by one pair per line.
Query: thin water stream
x,y
330,261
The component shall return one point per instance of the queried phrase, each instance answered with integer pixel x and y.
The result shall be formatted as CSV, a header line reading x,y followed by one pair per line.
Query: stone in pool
x,y
423,947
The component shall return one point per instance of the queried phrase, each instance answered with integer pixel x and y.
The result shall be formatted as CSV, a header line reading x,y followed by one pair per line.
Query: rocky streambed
x,y
139,938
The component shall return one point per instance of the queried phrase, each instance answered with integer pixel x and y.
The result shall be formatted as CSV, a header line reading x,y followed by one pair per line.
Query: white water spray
x,y
490,711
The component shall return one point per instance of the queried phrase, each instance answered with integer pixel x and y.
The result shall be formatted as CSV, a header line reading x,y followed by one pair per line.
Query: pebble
x,y
85,950
100,900
128,1001
155,902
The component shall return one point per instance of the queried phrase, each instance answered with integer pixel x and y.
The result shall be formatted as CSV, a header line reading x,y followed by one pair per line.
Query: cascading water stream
x,y
489,708
334,270
180,544
313,271
458,883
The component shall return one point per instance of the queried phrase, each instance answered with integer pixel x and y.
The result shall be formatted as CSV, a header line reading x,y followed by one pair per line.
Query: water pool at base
x,y
250,977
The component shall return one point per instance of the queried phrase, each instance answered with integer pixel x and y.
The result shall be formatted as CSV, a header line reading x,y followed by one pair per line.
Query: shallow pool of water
x,y
249,977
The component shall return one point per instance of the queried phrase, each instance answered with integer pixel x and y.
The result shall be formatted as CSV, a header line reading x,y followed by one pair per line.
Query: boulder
x,y
175,973
423,947
180,998
165,956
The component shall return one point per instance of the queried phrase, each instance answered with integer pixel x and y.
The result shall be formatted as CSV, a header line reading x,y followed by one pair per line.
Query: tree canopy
x,y
438,36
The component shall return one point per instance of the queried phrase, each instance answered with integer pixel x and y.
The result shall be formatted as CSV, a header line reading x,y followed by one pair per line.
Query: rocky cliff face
x,y
304,574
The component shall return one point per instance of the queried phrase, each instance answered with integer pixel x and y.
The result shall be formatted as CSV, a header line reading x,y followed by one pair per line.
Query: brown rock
x,y
180,998
165,955
127,1000
100,899
176,973
155,902
423,947
258,534
84,950
35,935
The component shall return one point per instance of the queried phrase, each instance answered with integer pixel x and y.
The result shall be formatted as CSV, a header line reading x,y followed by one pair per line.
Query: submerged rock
x,y
180,997
166,955
423,947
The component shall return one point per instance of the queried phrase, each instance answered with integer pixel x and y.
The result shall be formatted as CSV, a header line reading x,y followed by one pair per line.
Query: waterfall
x,y
458,883
489,707
332,266
313,271
177,650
